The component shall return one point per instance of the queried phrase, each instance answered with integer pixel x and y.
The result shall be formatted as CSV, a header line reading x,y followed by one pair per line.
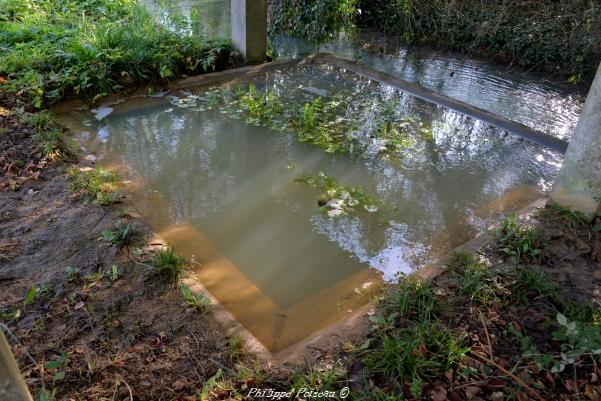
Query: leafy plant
x,y
121,234
199,302
168,263
316,20
98,183
53,48
521,244
337,199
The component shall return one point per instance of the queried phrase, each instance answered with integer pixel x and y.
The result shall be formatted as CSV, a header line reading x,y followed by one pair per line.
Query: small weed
x,y
72,273
235,347
200,302
327,378
30,295
577,340
114,273
50,142
574,219
5,216
520,244
415,353
475,279
98,184
413,299
121,235
528,280
124,213
167,262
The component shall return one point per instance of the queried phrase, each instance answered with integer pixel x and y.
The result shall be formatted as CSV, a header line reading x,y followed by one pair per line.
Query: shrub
x,y
54,48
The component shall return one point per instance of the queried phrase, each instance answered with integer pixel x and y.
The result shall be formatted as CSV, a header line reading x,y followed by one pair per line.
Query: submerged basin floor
x,y
223,191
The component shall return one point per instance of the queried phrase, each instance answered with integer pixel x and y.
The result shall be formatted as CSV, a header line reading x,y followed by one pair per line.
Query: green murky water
x,y
234,179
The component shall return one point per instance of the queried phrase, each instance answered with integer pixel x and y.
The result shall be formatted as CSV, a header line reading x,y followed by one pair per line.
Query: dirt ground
x,y
81,328
496,331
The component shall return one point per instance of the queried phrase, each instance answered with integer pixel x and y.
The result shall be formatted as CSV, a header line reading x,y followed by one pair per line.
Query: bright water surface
x,y
522,97
231,187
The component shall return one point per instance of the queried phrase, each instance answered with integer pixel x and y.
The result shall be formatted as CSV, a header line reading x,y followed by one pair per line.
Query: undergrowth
x,y
55,48
561,37
99,184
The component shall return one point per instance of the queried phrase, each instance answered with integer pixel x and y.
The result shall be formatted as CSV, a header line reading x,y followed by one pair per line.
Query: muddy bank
x,y
88,319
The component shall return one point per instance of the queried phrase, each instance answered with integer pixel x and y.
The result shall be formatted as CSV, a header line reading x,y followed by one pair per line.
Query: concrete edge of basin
x,y
432,96
231,325
358,322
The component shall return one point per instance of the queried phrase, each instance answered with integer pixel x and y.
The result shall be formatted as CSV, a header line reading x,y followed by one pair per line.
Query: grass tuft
x,y
517,242
99,184
199,303
168,263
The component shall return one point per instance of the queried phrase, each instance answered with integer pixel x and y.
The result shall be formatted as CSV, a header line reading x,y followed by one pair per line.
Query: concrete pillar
x,y
12,385
249,29
578,185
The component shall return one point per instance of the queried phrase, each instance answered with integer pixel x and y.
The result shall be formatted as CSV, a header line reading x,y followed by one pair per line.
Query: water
x,y
223,191
207,18
523,97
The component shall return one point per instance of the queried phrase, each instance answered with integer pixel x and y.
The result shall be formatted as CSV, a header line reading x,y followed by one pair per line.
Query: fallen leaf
x,y
438,394
591,393
471,391
496,396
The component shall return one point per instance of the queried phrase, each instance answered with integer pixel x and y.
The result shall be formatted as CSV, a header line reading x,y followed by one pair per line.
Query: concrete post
x,y
12,385
249,29
578,185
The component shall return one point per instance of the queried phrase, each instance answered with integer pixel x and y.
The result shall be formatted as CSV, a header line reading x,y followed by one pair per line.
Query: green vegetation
x,y
47,135
476,281
555,36
56,48
168,263
200,302
259,106
337,199
330,123
121,235
411,344
573,219
316,20
559,37
518,242
99,184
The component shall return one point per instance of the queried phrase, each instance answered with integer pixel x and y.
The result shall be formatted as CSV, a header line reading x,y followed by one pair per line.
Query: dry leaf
x,y
591,393
438,394
471,391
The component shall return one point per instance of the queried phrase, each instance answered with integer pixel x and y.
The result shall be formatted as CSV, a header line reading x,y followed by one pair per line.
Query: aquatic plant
x,y
337,199
260,106
333,125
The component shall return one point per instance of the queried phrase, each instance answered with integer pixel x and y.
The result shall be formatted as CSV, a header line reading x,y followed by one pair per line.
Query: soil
x,y
126,336
571,259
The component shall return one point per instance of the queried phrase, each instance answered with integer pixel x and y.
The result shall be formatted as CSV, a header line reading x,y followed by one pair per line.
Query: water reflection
x,y
230,180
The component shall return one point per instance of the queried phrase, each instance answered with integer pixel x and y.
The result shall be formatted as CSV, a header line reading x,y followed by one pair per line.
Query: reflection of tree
x,y
207,18
212,169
